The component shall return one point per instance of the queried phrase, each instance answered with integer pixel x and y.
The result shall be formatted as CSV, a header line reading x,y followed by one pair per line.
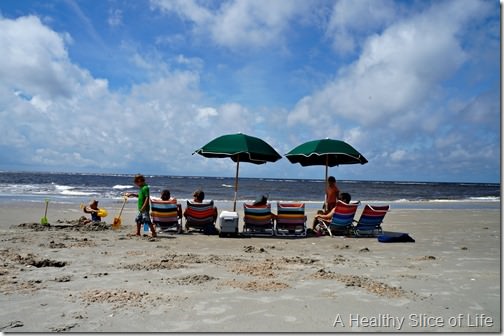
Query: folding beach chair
x,y
342,219
369,223
290,220
166,215
258,220
200,216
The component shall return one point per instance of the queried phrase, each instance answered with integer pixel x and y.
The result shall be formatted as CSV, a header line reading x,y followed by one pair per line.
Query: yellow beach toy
x,y
102,212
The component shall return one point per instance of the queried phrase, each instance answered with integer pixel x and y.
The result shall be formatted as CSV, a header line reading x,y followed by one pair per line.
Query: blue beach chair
x,y
369,223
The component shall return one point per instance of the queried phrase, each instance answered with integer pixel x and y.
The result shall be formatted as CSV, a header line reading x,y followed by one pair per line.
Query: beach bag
x,y
210,229
395,237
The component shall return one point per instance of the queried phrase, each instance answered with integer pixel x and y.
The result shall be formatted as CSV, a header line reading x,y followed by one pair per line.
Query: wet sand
x,y
94,279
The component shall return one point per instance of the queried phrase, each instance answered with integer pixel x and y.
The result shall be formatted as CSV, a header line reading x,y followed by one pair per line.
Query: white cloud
x,y
115,17
238,24
398,71
187,9
205,114
79,122
352,20
26,60
398,155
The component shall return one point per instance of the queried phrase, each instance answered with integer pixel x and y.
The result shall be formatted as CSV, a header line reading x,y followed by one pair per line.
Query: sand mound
x,y
149,265
124,299
260,269
81,224
370,285
196,279
256,285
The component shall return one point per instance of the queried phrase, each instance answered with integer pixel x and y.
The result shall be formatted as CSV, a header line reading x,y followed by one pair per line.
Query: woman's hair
x,y
261,200
199,195
165,195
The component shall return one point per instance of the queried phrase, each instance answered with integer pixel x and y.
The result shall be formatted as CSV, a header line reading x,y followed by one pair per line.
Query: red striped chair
x,y
166,214
342,219
369,223
200,216
258,220
290,220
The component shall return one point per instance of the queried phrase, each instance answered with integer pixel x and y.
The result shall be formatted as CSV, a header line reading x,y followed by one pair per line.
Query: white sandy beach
x,y
109,281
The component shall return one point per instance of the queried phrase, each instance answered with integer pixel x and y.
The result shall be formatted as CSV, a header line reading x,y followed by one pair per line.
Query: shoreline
x,y
111,281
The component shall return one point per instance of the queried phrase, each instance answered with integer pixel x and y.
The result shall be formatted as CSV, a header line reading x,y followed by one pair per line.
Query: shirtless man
x,y
332,194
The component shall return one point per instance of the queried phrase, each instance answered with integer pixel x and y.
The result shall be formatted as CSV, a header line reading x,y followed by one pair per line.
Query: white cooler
x,y
228,222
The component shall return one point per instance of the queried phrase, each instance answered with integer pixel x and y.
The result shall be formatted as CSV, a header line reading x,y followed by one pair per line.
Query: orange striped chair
x,y
258,220
290,220
200,216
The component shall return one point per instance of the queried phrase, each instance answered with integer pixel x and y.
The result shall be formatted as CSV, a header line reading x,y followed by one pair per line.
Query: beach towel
x,y
395,237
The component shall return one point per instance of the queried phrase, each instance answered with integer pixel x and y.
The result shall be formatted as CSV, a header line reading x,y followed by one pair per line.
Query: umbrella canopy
x,y
325,152
239,147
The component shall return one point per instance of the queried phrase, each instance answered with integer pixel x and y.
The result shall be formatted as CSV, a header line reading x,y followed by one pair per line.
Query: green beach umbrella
x,y
325,152
239,147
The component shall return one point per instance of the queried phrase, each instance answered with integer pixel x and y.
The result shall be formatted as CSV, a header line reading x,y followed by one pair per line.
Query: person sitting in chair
x,y
345,197
166,196
261,200
199,197
209,228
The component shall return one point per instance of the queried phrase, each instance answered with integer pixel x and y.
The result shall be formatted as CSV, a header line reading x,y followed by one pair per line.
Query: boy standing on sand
x,y
143,204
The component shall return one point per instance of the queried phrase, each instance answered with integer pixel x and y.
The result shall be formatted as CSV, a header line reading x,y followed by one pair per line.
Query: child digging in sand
x,y
92,209
143,195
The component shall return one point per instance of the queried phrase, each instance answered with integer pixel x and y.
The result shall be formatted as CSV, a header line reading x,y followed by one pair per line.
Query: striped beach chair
x,y
369,223
290,220
200,216
166,215
258,220
342,219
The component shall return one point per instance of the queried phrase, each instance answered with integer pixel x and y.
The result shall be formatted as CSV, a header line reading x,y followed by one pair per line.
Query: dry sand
x,y
94,279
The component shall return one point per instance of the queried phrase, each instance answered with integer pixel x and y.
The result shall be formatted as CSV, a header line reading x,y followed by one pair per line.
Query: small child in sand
x,y
92,209
143,196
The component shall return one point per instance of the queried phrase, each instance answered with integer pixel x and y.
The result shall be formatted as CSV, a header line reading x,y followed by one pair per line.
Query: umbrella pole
x,y
236,182
326,183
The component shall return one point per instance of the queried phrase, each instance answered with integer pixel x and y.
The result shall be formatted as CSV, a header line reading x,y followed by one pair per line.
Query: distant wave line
x,y
120,186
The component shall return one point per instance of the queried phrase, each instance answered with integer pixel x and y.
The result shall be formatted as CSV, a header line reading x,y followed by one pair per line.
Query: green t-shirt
x,y
143,194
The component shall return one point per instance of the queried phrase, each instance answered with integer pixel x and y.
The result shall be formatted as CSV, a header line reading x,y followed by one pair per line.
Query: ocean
x,y
108,188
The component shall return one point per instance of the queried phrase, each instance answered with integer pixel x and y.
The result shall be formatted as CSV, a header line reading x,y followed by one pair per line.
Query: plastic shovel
x,y
117,220
44,220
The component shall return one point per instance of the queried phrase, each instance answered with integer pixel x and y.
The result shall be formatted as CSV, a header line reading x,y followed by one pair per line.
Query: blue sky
x,y
136,86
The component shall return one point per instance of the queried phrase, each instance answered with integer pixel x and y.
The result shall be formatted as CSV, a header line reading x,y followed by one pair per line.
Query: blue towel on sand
x,y
395,237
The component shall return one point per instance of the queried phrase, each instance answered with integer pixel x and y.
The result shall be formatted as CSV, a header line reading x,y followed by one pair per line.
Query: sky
x,y
136,86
